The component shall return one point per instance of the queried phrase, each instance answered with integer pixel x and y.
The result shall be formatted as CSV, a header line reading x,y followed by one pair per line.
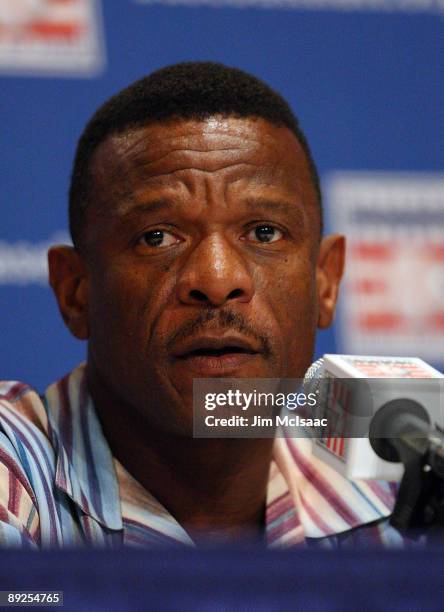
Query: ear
x,y
68,278
329,271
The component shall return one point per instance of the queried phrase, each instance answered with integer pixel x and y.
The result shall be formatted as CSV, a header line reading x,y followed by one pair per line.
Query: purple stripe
x,y
282,529
16,484
14,496
93,481
4,518
279,506
4,515
85,503
87,529
375,532
385,496
394,488
132,540
322,526
12,466
61,473
129,523
324,488
15,391
370,536
49,498
31,519
64,416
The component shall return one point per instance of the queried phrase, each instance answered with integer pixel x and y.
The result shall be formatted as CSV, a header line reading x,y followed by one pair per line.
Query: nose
x,y
214,274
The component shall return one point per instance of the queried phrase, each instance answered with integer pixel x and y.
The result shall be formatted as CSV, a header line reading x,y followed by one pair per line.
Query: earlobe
x,y
329,272
68,278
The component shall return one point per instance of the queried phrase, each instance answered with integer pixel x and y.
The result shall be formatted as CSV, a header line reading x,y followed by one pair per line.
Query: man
x,y
195,214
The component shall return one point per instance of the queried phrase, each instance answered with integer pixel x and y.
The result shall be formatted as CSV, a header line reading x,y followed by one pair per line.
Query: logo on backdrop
x,y
386,6
25,263
392,299
51,36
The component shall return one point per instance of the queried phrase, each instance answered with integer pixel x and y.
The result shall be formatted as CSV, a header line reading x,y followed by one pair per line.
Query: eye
x,y
158,238
265,233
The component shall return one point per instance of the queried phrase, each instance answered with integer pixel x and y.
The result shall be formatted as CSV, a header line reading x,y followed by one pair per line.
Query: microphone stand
x,y
420,500
419,505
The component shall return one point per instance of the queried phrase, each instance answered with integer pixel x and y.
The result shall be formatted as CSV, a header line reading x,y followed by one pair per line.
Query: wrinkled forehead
x,y
229,148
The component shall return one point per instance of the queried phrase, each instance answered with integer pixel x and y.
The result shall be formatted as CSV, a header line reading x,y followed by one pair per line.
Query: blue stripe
x,y
370,503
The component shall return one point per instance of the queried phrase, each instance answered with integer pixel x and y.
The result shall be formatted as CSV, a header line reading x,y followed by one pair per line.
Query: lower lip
x,y
209,365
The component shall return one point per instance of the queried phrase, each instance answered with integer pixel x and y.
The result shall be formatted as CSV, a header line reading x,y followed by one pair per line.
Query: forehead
x,y
225,150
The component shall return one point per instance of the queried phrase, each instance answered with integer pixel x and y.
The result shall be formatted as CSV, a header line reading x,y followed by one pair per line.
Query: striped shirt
x,y
61,487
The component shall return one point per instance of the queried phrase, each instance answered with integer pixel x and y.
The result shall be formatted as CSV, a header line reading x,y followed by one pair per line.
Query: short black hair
x,y
189,90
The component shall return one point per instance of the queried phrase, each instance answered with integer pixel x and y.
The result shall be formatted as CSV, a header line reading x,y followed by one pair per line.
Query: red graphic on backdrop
x,y
393,293
52,36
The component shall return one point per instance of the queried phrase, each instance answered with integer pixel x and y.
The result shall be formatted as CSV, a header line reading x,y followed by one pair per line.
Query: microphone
x,y
372,406
401,431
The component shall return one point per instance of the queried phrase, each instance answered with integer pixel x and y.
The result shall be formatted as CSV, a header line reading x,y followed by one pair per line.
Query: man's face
x,y
201,257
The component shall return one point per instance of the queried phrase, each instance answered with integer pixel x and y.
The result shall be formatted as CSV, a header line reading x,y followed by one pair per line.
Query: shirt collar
x,y
306,498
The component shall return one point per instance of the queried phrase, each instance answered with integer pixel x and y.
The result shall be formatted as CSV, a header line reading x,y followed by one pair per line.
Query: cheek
x,y
122,302
293,294
292,303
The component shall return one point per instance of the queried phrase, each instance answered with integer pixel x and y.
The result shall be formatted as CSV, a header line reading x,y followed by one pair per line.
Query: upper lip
x,y
211,342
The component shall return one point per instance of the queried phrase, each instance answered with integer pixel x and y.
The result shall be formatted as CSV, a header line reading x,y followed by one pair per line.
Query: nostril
x,y
195,294
216,296
235,294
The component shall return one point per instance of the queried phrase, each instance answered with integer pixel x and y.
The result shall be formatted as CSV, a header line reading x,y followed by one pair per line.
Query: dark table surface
x,y
231,579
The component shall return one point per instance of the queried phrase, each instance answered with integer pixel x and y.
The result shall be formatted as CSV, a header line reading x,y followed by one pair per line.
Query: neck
x,y
215,488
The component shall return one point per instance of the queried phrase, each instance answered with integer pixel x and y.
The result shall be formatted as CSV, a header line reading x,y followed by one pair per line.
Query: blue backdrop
x,y
367,87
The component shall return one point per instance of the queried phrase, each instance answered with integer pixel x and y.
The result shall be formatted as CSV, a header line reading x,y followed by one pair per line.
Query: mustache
x,y
222,320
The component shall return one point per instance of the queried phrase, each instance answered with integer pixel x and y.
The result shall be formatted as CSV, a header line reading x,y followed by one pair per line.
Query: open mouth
x,y
214,355
210,361
218,352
